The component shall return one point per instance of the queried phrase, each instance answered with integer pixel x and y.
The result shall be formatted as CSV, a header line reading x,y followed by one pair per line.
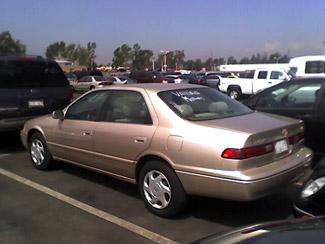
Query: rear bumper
x,y
243,190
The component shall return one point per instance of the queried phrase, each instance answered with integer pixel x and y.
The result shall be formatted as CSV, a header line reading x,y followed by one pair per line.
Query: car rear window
x,y
198,104
30,73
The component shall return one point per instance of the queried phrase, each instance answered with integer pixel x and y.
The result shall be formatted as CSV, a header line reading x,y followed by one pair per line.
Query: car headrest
x,y
218,107
185,110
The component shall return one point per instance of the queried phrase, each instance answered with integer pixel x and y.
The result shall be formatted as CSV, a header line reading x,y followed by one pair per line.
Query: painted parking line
x,y
4,155
152,236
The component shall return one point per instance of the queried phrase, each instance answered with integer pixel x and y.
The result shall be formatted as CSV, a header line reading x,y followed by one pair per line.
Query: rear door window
x,y
262,75
30,73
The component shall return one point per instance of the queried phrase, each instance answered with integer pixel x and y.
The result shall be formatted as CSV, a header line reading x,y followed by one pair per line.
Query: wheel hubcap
x,y
37,152
233,95
157,189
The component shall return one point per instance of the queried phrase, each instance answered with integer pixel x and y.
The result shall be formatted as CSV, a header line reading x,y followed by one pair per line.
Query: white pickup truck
x,y
252,82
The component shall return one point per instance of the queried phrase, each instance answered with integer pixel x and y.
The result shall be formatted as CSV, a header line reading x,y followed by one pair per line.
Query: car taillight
x,y
249,152
296,138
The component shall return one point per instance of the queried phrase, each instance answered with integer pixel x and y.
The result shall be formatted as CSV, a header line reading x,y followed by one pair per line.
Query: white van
x,y
307,66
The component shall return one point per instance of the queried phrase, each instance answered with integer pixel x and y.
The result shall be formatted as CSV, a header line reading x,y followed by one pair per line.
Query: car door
x,y
260,81
72,138
81,84
125,131
292,99
212,80
276,77
319,124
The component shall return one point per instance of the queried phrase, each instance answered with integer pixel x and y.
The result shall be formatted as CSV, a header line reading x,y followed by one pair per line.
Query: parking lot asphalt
x,y
29,215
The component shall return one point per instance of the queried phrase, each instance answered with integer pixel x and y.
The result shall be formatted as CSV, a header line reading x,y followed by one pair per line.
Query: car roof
x,y
25,57
153,87
307,79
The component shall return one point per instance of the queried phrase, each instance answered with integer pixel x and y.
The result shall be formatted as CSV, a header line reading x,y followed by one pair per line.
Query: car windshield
x,y
198,104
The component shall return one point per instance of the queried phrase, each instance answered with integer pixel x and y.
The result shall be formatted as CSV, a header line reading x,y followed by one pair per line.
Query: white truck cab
x,y
254,82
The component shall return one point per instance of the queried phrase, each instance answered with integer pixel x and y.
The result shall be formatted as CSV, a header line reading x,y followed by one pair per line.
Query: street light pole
x,y
164,68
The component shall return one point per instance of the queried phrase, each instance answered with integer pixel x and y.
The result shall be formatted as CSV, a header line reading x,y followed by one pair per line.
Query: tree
x,y
179,58
83,55
122,56
91,46
141,58
10,46
55,50
231,60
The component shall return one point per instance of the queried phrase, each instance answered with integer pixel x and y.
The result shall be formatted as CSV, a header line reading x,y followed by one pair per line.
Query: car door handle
x,y
87,133
140,139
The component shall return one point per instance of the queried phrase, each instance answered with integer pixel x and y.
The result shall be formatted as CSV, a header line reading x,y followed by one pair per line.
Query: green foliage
x,y
10,46
122,56
141,58
83,55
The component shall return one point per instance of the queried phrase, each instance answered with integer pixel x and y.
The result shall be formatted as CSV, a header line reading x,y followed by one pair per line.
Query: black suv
x,y
30,86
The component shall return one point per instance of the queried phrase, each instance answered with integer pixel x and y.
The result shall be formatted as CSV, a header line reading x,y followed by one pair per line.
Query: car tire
x,y
234,93
39,152
161,190
92,87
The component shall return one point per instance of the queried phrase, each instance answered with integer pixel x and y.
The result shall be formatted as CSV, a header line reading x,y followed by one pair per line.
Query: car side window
x,y
290,96
83,79
262,75
87,108
314,67
276,75
126,107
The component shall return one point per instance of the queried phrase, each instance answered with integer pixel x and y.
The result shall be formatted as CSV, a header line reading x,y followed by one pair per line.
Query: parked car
x,y
193,78
310,201
176,78
262,79
72,78
212,80
121,80
299,98
30,86
87,83
150,77
307,231
172,140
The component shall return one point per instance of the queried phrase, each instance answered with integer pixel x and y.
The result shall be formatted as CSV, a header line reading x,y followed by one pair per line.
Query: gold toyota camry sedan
x,y
173,140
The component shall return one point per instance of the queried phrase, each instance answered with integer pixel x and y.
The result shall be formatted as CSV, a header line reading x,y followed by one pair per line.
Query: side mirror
x,y
58,114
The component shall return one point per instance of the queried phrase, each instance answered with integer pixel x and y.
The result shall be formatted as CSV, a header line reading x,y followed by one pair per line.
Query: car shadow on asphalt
x,y
10,142
228,213
101,179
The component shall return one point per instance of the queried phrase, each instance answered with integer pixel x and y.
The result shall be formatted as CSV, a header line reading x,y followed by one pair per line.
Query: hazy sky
x,y
203,28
